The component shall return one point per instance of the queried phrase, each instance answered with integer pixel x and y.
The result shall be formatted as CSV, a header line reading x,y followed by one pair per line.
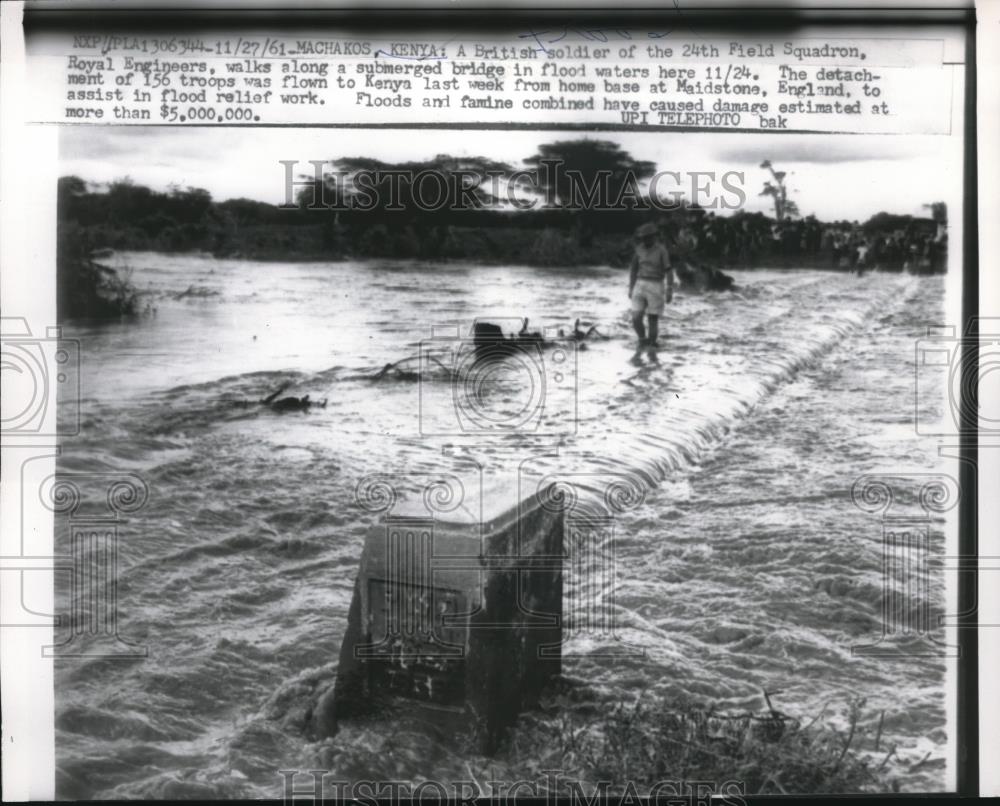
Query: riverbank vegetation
x,y
332,217
85,287
582,743
652,739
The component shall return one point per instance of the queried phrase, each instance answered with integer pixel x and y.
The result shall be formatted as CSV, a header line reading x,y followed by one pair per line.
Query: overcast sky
x,y
833,177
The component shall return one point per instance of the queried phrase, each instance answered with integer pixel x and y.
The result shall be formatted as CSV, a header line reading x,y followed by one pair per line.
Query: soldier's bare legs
x,y
640,327
654,330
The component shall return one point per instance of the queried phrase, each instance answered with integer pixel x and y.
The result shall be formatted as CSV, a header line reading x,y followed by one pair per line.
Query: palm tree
x,y
783,207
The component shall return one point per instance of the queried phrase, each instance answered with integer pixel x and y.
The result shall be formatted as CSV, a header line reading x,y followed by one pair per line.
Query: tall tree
x,y
587,175
783,206
399,184
415,201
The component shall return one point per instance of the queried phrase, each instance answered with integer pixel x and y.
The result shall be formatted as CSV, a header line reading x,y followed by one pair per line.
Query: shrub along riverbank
x,y
86,289
126,216
584,742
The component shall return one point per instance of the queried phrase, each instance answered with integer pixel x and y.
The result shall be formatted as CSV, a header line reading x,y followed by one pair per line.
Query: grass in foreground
x,y
651,740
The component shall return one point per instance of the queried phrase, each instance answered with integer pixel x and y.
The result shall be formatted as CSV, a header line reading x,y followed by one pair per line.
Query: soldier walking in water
x,y
649,270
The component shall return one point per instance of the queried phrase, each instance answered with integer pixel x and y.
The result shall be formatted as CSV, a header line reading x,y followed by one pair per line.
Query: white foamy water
x,y
745,568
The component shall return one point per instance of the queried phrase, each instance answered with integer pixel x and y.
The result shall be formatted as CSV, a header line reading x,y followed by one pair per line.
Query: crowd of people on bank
x,y
918,245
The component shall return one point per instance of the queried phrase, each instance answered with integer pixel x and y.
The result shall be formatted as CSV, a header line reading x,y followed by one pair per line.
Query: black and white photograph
x,y
439,457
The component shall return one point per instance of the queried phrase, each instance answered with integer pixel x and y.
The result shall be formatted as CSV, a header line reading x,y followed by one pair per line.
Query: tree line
x,y
123,215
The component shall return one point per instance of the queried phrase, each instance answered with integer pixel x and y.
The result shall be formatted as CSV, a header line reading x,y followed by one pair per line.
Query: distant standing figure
x,y
649,269
862,260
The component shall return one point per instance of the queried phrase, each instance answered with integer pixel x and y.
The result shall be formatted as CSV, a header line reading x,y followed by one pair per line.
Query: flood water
x,y
745,568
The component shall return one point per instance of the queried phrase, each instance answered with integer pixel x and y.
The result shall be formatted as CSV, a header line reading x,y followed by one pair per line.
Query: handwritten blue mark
x,y
588,34
381,52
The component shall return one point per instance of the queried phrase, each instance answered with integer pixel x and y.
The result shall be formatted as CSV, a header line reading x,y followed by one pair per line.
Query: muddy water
x,y
746,566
